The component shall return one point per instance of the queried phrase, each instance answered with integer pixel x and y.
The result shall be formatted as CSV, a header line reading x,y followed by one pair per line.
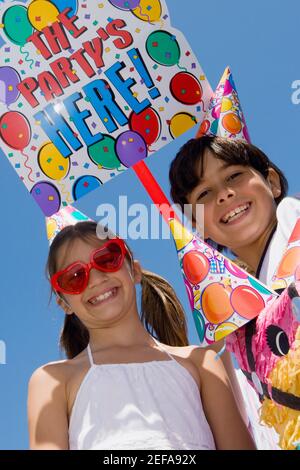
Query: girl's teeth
x,y
102,297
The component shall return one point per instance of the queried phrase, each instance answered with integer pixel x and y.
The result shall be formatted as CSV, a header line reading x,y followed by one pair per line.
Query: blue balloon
x,y
84,185
257,285
62,4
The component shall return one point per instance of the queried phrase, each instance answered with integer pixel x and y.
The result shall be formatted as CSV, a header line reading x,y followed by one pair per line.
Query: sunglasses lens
x,y
109,258
72,280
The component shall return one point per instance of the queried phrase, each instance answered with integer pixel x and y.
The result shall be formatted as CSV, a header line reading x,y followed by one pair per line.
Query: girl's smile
x,y
108,296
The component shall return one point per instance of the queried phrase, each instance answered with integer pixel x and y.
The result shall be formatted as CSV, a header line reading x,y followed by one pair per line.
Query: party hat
x,y
224,116
68,215
222,296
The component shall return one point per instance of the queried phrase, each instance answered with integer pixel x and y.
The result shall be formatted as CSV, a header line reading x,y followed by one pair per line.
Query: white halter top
x,y
151,405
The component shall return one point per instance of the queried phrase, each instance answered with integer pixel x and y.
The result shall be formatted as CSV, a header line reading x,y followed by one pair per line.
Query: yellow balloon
x,y
181,235
148,10
224,329
180,123
42,13
226,105
51,228
52,163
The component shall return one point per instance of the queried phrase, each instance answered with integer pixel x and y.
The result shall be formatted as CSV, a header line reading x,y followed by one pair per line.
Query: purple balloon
x,y
9,80
131,148
47,196
125,4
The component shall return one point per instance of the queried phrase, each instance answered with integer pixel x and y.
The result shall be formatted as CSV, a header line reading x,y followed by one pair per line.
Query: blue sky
x,y
259,40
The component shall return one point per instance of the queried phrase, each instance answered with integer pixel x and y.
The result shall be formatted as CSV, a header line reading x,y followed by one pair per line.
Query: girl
x,y
244,197
245,210
121,388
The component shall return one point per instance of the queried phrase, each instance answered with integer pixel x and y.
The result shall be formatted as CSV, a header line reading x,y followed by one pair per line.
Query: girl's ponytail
x,y
161,310
74,336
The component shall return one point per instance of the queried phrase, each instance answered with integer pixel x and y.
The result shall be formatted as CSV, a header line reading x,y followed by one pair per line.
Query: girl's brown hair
x,y
161,311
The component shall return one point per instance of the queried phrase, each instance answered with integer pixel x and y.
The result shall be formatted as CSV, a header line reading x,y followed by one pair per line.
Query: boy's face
x,y
239,204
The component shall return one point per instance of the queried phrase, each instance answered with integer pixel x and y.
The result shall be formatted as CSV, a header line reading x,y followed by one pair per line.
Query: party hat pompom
x,y
224,116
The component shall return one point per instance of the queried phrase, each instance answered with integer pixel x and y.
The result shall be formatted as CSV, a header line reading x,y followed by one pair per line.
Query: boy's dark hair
x,y
184,170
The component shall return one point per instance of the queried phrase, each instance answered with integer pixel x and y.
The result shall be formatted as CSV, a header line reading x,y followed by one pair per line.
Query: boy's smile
x,y
239,205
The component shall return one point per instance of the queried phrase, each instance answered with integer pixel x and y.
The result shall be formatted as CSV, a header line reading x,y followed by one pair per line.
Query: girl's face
x,y
108,297
239,205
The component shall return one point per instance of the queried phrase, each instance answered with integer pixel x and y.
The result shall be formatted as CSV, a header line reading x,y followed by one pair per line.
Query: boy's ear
x,y
64,305
274,181
137,272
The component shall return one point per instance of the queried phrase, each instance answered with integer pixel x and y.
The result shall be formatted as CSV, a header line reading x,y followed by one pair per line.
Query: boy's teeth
x,y
102,297
237,211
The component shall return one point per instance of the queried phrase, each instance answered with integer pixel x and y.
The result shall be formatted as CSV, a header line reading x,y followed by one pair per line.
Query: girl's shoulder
x,y
192,357
58,372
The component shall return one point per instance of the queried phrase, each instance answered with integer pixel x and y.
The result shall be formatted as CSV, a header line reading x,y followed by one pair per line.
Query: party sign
x,y
89,88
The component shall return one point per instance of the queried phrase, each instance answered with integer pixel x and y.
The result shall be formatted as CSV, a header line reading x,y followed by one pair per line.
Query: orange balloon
x,y
196,266
289,262
295,233
247,302
232,123
203,129
215,303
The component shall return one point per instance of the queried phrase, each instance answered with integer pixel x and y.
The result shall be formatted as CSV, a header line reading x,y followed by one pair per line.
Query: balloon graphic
x,y
190,293
226,105
200,324
186,88
224,329
214,127
235,270
42,13
289,262
180,123
296,233
16,25
131,148
125,4
247,302
147,124
103,153
258,286
148,10
47,196
196,266
15,130
84,185
204,128
52,162
216,111
62,4
232,123
9,81
215,302
163,48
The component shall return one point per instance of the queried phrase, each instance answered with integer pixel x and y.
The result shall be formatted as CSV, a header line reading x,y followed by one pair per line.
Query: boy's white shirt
x,y
288,211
